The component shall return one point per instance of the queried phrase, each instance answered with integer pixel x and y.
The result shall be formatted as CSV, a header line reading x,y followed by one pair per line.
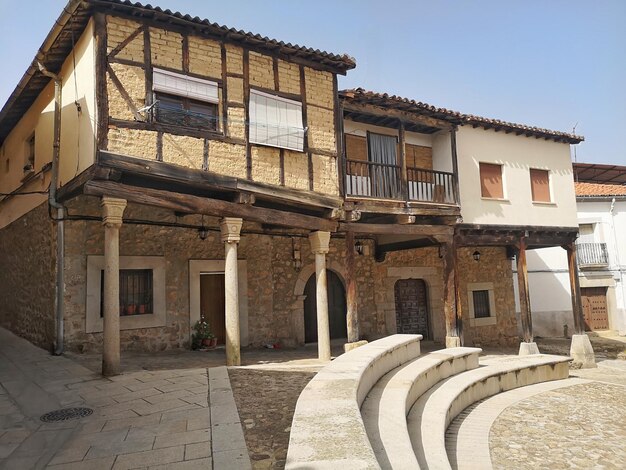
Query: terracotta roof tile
x,y
361,95
599,189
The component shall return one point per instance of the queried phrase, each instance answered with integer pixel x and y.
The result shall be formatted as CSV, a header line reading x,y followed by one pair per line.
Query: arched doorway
x,y
336,308
412,307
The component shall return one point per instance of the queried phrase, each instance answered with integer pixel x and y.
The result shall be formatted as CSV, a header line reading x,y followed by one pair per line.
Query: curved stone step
x,y
327,430
386,406
431,414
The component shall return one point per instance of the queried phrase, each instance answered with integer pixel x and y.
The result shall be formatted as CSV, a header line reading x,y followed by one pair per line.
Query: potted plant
x,y
143,307
203,336
131,309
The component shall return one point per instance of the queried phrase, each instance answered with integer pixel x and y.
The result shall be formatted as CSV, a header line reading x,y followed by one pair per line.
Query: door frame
x,y
297,317
429,329
198,266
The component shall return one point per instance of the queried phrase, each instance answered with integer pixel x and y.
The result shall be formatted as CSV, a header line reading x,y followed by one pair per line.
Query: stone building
x,y
158,167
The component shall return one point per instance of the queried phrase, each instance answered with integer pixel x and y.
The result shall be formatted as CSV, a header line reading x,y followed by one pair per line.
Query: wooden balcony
x,y
385,181
592,255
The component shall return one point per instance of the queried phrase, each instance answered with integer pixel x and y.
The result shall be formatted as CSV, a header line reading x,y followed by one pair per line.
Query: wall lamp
x,y
203,231
476,255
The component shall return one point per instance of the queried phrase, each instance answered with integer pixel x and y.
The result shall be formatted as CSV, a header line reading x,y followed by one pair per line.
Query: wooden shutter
x,y
540,185
491,180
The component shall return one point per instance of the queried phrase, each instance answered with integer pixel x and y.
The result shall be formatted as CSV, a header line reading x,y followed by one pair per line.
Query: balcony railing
x,y
592,255
384,181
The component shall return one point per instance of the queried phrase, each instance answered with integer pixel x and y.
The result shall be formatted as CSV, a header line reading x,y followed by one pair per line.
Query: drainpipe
x,y
52,201
621,326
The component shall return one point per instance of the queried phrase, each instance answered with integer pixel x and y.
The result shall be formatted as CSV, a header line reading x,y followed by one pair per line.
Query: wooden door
x,y
594,308
336,308
411,307
212,296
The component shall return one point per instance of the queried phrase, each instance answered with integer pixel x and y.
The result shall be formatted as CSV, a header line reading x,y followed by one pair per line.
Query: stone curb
x,y
228,445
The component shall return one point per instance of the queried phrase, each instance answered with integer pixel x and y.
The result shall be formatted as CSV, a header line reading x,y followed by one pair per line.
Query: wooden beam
x,y
185,47
246,100
421,209
524,294
125,42
213,207
125,96
102,97
386,229
147,62
352,316
225,103
574,283
449,293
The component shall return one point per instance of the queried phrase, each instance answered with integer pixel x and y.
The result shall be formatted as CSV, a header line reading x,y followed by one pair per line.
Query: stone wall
x,y
27,279
205,60
276,281
495,268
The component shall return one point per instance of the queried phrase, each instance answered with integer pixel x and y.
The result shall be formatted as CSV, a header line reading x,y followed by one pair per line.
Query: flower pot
x,y
131,309
142,309
209,343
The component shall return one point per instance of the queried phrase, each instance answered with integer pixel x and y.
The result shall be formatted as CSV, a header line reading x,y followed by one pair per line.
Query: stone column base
x,y
582,353
528,349
350,346
453,342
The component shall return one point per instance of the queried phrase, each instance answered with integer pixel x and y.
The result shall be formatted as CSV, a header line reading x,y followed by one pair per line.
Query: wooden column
x,y
319,246
112,211
351,294
574,283
231,228
524,295
449,294
402,144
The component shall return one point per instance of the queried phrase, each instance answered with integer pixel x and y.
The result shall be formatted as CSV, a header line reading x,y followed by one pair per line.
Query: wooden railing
x,y
376,180
592,254
431,186
384,181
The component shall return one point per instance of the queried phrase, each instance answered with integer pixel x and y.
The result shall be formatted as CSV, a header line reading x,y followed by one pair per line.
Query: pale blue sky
x,y
549,63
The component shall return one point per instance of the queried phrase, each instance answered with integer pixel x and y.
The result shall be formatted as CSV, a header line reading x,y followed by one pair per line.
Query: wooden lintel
x,y
202,179
417,209
212,207
406,116
395,229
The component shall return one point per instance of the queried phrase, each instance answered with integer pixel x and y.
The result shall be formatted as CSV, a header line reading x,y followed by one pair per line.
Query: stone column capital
x,y
112,210
231,229
319,242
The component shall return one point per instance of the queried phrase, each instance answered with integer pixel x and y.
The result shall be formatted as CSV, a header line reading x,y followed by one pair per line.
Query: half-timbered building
x,y
159,168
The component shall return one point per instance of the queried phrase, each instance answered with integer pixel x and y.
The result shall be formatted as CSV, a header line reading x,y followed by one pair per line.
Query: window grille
x,y
136,292
481,304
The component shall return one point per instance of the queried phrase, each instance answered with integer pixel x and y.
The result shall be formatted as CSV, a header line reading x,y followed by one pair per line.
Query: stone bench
x,y
434,411
327,430
388,403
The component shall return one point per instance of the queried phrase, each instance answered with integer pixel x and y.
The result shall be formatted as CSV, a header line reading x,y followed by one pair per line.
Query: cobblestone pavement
x,y
578,427
266,400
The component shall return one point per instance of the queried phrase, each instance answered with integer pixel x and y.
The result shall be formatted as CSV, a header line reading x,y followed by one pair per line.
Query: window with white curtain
x,y
276,121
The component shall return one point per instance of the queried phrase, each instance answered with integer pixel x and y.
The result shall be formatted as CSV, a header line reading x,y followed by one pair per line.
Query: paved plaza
x,y
184,410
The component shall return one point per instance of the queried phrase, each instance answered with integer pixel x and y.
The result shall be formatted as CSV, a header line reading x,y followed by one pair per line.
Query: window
x,y
29,161
276,121
482,308
481,304
491,180
540,185
136,294
185,101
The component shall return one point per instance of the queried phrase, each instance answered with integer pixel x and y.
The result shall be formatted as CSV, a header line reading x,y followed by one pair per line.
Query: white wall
x,y
517,154
549,278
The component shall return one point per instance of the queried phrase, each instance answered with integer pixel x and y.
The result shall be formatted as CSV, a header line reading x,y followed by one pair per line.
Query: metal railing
x,y
384,181
592,254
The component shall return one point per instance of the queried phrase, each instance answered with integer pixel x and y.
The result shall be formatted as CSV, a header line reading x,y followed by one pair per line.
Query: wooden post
x,y
404,189
351,294
577,307
524,296
449,295
455,165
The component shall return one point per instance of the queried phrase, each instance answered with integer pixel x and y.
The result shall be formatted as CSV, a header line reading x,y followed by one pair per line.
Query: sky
x,y
554,64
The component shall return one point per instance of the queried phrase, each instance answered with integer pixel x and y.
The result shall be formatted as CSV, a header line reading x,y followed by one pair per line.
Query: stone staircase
x,y
384,405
